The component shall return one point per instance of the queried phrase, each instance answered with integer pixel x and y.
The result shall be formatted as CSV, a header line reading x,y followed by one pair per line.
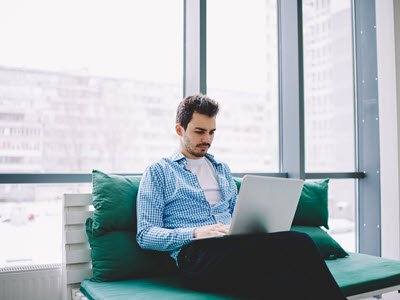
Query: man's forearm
x,y
163,239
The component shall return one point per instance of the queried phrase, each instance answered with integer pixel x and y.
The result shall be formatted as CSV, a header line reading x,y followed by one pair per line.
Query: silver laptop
x,y
264,204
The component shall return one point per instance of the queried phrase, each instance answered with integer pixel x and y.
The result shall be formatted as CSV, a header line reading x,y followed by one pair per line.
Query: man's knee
x,y
303,238
297,240
306,245
282,238
300,236
293,235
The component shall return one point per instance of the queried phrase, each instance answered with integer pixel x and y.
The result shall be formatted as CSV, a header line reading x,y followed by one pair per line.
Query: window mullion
x,y
194,72
291,88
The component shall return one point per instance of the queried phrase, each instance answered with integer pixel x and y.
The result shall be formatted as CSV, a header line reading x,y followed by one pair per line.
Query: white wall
x,y
388,41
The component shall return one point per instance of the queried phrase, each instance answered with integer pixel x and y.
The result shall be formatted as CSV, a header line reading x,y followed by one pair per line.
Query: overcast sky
x,y
140,39
122,38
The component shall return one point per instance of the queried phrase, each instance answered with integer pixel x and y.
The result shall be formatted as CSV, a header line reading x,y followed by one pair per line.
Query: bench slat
x,y
78,256
77,217
77,276
75,237
77,200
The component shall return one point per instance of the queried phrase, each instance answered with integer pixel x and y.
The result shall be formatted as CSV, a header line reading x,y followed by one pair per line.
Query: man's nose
x,y
206,139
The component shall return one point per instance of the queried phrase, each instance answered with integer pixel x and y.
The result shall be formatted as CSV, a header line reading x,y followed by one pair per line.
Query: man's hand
x,y
211,230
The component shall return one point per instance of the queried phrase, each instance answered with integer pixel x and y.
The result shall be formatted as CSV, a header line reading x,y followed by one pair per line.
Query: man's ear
x,y
179,129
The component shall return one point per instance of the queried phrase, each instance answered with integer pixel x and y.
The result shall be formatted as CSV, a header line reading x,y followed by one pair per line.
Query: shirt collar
x,y
179,157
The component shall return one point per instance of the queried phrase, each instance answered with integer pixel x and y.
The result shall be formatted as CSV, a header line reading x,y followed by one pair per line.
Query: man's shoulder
x,y
217,161
160,164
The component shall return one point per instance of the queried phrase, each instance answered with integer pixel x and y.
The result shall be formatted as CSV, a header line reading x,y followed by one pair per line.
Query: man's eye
x,y
212,132
199,132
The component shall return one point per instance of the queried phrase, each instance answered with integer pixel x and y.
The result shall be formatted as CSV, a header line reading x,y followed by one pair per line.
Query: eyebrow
x,y
202,129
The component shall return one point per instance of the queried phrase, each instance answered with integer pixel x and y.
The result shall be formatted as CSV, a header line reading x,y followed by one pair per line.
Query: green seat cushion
x,y
165,288
361,273
117,256
312,209
329,248
355,274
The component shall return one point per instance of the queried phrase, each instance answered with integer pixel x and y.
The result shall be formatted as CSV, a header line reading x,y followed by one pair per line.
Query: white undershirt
x,y
207,178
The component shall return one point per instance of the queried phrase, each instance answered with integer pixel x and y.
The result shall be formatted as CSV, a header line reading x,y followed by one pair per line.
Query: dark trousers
x,y
282,265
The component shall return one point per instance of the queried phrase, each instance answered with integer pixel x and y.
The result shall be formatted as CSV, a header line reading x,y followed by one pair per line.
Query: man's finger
x,y
221,231
220,228
218,233
221,225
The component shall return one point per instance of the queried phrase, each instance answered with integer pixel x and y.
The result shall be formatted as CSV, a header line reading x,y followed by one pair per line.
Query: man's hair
x,y
197,103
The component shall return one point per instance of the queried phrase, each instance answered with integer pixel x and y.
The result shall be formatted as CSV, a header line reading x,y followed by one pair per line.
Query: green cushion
x,y
114,200
112,232
165,288
329,248
355,274
115,252
117,256
312,209
361,273
238,182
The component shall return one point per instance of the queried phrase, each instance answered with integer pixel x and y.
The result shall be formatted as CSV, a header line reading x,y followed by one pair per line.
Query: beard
x,y
192,149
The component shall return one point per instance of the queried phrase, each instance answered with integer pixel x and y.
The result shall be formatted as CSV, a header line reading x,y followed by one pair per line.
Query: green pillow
x,y
112,232
117,256
329,248
238,182
312,209
114,200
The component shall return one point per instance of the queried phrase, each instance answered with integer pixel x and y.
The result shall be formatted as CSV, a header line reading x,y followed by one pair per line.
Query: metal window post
x,y
366,71
291,88
194,48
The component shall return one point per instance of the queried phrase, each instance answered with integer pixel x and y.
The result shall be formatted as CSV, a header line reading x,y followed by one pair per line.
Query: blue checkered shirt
x,y
171,204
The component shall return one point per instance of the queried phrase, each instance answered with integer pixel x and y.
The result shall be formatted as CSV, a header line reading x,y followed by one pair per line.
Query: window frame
x,y
291,124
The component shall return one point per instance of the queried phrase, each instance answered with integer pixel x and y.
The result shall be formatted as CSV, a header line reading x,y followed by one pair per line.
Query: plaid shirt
x,y
171,204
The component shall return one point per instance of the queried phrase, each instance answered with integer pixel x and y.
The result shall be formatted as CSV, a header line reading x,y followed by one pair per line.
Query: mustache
x,y
200,145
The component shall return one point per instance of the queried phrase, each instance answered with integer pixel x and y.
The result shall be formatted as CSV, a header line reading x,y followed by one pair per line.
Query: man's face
x,y
198,136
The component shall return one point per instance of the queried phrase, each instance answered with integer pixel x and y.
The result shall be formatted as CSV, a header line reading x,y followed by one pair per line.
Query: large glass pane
x,y
84,85
88,84
242,75
328,85
31,223
342,212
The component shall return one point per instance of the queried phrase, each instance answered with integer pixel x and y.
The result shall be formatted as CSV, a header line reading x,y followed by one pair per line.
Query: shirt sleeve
x,y
232,189
150,208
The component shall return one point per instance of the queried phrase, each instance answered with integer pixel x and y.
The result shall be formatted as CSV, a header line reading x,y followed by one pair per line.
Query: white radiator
x,y
31,283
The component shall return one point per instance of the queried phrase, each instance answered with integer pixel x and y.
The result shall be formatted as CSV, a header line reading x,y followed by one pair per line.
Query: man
x,y
191,195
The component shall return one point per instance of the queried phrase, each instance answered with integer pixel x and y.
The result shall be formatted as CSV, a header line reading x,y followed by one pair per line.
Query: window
x,y
89,92
342,212
328,86
84,85
30,222
242,75
329,107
